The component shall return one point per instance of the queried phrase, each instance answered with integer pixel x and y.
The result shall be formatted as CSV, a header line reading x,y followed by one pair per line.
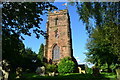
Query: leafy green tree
x,y
15,53
101,48
20,17
100,12
51,68
28,51
66,65
104,40
30,60
104,14
41,52
12,48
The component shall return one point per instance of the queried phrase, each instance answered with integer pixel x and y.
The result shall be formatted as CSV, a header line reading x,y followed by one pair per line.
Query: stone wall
x,y
60,22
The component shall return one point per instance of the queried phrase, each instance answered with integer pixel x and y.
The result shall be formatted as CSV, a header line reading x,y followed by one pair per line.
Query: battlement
x,y
58,12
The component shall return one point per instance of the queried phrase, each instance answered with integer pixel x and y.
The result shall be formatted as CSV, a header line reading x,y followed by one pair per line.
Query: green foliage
x,y
51,68
104,40
101,12
66,65
113,67
41,52
89,70
104,33
104,67
30,60
20,17
12,48
103,45
14,51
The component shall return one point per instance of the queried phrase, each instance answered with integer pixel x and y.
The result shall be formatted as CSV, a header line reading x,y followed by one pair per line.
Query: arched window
x,y
56,52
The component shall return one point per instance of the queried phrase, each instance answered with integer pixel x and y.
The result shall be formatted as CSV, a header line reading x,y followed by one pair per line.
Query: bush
x,y
89,71
66,65
51,68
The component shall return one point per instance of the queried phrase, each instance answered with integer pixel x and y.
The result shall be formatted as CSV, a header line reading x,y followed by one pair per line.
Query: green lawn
x,y
71,76
109,75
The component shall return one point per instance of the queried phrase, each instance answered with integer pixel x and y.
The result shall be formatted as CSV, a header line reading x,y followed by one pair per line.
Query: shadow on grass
x,y
71,76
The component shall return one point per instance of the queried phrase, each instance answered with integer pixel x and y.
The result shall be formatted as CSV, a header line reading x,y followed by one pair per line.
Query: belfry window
x,y
56,52
56,21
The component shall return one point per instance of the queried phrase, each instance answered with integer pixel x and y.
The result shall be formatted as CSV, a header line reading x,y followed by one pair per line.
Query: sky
x,y
79,34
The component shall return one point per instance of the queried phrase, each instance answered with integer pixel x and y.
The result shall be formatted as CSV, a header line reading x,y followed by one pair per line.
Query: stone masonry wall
x,y
63,30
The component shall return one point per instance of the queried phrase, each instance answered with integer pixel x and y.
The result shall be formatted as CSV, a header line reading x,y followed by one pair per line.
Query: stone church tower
x,y
58,42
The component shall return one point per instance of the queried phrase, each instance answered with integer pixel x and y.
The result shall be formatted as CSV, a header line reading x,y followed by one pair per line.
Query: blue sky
x,y
79,34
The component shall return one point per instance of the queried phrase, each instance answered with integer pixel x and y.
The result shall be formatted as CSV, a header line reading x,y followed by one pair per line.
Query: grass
x,y
70,76
109,75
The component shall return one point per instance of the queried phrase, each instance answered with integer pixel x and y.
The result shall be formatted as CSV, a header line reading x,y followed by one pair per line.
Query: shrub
x,y
66,65
89,70
51,68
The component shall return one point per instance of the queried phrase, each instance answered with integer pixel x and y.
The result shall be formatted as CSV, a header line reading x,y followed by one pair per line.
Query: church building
x,y
59,41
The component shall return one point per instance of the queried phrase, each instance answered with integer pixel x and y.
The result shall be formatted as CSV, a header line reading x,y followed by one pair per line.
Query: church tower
x,y
58,42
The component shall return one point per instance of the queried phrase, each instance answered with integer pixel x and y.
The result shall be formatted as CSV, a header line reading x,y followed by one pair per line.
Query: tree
x,y
20,17
105,16
100,12
12,49
41,52
28,51
66,65
51,68
30,60
101,48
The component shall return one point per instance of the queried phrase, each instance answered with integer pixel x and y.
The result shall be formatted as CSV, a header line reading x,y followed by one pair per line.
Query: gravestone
x,y
41,71
18,72
51,74
4,68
